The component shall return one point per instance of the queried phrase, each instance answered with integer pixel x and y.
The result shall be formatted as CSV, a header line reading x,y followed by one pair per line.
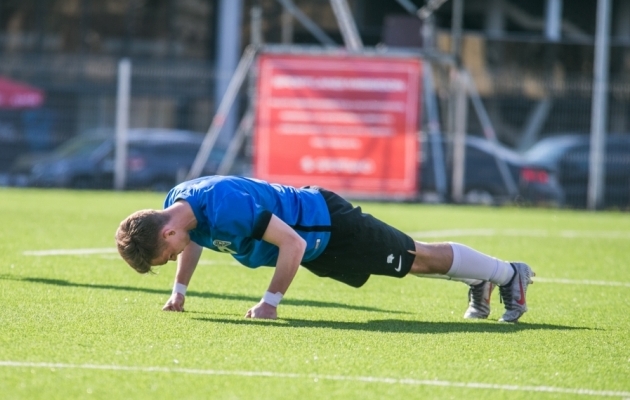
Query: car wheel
x,y
480,197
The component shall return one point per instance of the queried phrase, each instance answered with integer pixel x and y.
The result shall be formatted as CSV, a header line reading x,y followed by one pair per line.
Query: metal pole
x,y
255,34
534,123
553,20
347,25
224,108
237,142
287,27
435,134
457,23
490,134
457,112
599,108
409,6
122,122
310,26
495,19
228,52
429,8
459,137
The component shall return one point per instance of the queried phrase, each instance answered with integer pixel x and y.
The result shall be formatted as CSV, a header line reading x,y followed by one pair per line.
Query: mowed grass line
x,y
389,339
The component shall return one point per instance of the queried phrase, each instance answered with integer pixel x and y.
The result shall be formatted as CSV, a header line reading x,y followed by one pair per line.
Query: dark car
x,y
568,154
524,182
156,160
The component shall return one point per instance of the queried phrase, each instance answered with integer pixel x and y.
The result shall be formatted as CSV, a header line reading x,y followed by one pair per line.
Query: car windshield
x,y
549,149
79,146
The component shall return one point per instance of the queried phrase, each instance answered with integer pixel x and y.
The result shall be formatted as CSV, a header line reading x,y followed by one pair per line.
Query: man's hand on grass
x,y
262,310
175,303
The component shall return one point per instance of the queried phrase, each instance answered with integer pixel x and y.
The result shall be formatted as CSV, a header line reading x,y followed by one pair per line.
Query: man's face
x,y
174,243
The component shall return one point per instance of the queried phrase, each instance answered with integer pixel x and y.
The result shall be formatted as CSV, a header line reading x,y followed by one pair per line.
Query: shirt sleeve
x,y
173,195
168,201
240,215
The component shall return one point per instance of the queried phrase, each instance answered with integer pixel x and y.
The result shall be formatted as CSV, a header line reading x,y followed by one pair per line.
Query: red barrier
x,y
347,123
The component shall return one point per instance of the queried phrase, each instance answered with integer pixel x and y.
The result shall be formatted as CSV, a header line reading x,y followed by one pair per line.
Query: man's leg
x,y
458,262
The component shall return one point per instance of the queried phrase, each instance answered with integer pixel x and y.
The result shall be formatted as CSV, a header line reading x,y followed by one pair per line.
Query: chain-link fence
x,y
525,105
78,97
539,105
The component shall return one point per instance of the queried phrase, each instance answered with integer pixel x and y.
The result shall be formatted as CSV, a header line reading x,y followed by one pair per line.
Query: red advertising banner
x,y
347,123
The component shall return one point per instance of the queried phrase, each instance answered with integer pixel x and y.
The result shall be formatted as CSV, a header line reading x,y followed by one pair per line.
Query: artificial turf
x,y
87,326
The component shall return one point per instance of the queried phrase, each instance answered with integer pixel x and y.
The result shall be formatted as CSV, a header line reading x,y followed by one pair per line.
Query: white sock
x,y
469,282
471,264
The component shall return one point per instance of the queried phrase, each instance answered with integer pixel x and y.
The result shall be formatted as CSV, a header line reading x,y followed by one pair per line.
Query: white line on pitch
x,y
536,279
567,234
213,262
581,282
316,377
418,235
105,252
69,252
477,232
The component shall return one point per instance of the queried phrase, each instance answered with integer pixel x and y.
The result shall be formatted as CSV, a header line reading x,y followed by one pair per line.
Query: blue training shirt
x,y
233,213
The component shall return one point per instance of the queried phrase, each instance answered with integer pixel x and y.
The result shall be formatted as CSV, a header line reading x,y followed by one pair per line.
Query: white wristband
x,y
273,299
179,288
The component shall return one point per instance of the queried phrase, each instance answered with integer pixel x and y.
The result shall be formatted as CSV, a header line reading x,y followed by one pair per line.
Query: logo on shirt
x,y
222,245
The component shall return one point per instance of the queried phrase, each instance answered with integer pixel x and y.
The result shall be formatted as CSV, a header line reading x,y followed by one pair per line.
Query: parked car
x,y
483,182
568,154
156,160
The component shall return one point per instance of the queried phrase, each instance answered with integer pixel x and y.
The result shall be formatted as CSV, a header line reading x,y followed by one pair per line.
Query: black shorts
x,y
360,245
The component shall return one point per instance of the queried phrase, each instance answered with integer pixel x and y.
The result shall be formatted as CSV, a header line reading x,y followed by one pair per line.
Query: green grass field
x,y
81,324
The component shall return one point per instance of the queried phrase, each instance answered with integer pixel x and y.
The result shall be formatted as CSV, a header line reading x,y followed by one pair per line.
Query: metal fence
x,y
80,95
537,97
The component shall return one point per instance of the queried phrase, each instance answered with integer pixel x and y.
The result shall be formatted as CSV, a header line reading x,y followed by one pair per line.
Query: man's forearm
x,y
291,249
289,259
187,263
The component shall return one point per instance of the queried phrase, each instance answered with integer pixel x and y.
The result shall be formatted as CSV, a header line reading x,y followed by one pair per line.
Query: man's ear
x,y
167,231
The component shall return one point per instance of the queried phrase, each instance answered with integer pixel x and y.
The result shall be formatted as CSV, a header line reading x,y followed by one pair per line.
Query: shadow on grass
x,y
193,293
400,326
